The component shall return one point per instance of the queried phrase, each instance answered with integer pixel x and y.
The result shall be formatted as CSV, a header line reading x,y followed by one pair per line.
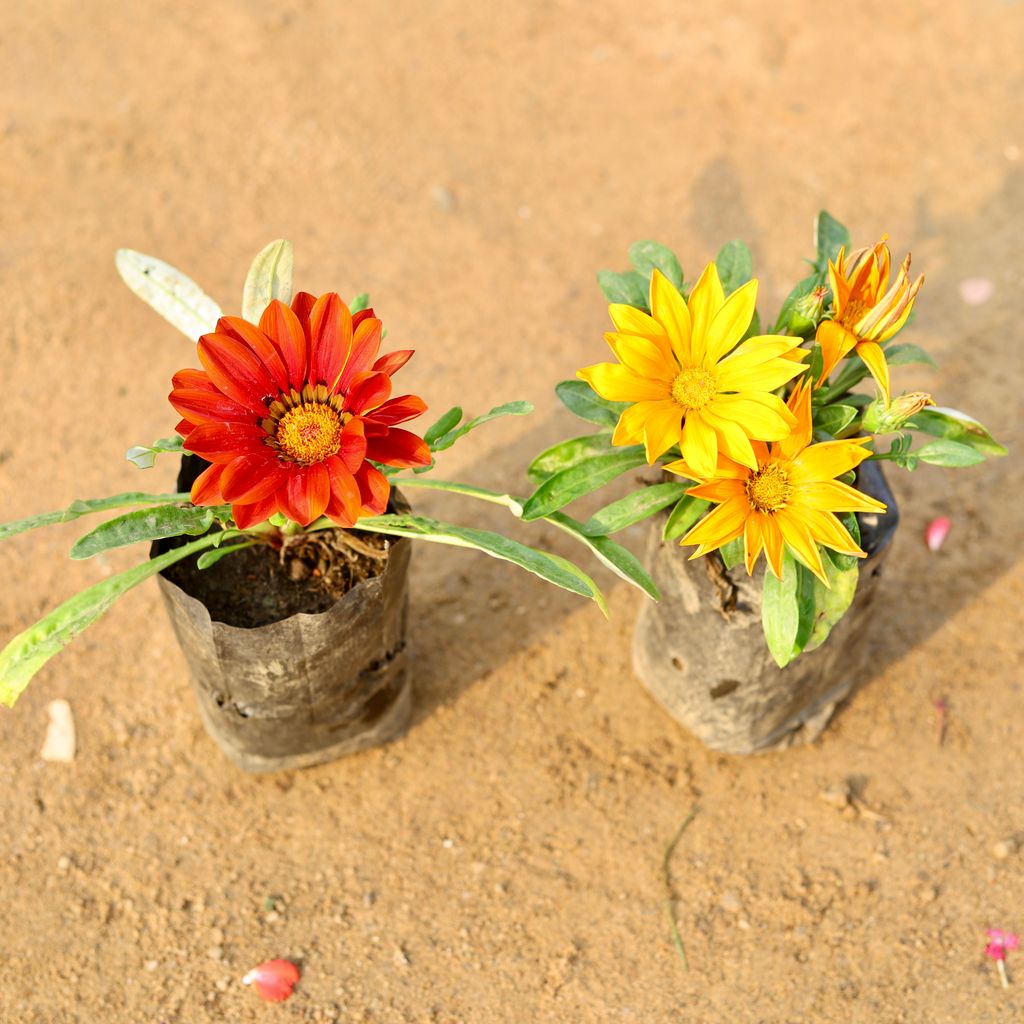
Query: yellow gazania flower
x,y
688,382
788,500
865,314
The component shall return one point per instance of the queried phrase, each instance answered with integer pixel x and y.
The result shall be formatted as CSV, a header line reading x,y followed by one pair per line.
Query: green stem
x,y
677,939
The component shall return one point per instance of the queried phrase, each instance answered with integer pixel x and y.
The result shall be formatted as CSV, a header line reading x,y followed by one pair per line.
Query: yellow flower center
x,y
855,309
694,388
768,489
309,433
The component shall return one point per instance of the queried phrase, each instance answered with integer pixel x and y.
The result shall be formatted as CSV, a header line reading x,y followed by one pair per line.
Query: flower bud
x,y
882,417
806,313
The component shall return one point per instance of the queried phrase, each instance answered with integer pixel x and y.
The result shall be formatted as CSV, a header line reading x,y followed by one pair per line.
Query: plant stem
x,y
677,939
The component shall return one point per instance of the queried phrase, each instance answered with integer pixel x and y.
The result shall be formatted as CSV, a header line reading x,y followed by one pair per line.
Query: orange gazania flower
x,y
290,412
789,500
866,311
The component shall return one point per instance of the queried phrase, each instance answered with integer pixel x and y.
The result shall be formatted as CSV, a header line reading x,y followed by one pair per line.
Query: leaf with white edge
x,y
951,454
147,524
609,553
829,236
208,558
80,508
628,288
648,256
514,505
508,409
359,303
567,453
583,478
269,277
633,508
832,419
904,355
582,401
954,425
735,265
26,654
177,298
145,455
549,567
449,421
684,516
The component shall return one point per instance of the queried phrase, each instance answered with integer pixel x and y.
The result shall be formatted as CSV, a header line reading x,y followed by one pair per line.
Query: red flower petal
x,y
184,428
273,980
353,445
365,345
374,489
363,314
306,493
221,442
192,379
285,329
398,410
302,306
246,516
368,390
346,499
251,478
330,329
206,489
199,406
393,361
262,347
936,531
399,448
236,371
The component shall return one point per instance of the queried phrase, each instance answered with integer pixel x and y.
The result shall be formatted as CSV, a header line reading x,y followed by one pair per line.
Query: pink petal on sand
x,y
976,291
935,532
273,980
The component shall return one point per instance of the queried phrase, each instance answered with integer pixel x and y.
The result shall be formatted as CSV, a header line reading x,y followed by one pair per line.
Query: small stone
x,y
837,796
400,957
743,924
63,865
217,936
448,843
151,965
730,902
1004,848
271,916
222,984
444,198
369,898
59,744
215,953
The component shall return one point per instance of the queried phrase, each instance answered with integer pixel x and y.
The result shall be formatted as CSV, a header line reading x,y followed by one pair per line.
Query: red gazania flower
x,y
291,413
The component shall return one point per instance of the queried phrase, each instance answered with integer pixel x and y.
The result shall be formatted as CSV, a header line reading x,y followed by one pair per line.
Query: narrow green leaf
x,y
735,265
684,516
732,553
83,508
514,505
567,453
145,524
449,421
829,236
582,401
629,288
359,303
269,277
806,607
208,558
949,453
177,298
832,419
904,355
633,508
446,440
145,455
22,658
780,611
956,426
648,256
583,478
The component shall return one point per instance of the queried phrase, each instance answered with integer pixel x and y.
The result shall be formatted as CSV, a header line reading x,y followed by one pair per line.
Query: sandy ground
x,y
472,165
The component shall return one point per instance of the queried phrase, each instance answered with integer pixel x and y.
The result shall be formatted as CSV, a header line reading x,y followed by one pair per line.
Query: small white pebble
x,y
59,745
447,843
152,965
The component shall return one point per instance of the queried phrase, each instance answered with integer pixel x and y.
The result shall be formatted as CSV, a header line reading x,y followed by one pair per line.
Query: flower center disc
x,y
768,490
694,388
309,433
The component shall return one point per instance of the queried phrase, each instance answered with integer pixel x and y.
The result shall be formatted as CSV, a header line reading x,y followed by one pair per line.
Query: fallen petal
x,y
273,980
935,532
976,290
59,745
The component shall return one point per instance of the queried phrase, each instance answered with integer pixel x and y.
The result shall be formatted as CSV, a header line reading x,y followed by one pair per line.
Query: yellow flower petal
x,y
699,445
725,469
827,460
619,384
721,525
874,360
730,322
753,541
630,428
669,309
828,530
662,429
643,357
759,349
773,544
630,320
834,496
800,406
719,490
762,416
765,376
797,536
706,299
836,342
732,439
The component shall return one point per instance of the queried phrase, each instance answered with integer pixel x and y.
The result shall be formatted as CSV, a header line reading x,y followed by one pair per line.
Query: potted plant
x,y
283,554
765,443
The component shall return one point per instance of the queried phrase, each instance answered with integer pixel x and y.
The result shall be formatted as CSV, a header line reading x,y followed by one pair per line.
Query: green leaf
x,y
684,516
633,508
851,372
829,236
904,355
648,256
449,421
449,438
177,298
755,327
583,478
787,610
144,456
802,288
83,508
145,524
269,277
949,453
610,554
954,425
549,567
359,303
567,453
208,558
852,524
629,288
830,603
22,658
834,418
582,401
514,505
732,553
735,266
